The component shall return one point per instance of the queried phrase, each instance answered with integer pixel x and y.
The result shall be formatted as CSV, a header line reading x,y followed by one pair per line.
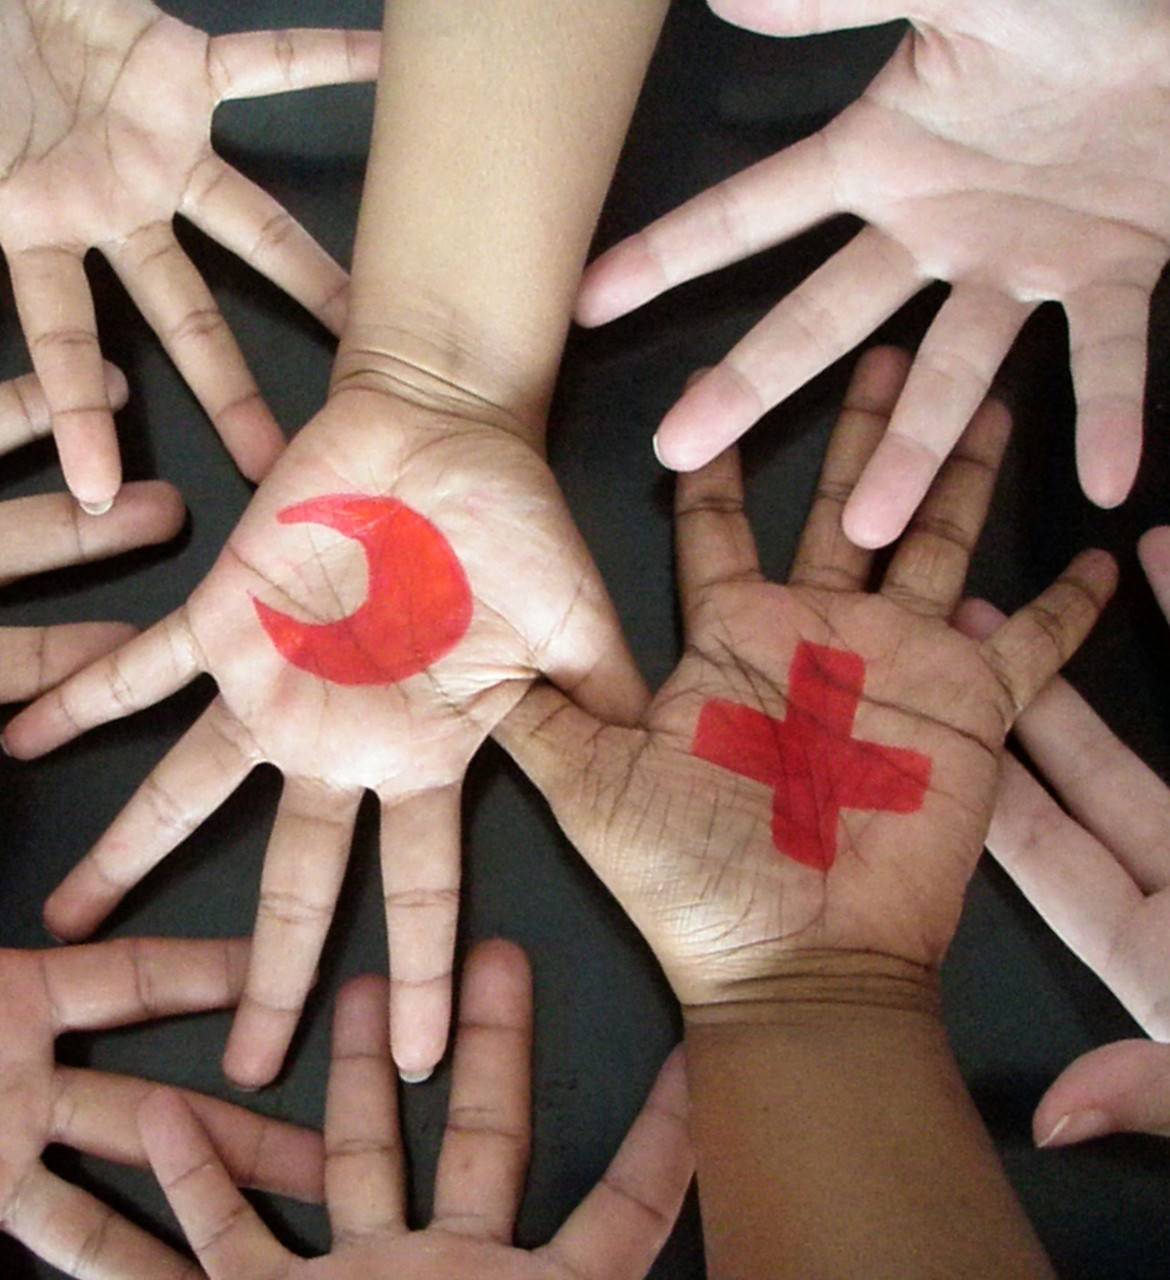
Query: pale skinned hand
x,y
44,994
724,823
106,135
1098,872
535,604
614,1234
1017,149
48,531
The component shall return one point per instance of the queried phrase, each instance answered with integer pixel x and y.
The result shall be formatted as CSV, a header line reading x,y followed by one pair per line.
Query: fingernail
x,y
1077,1126
657,451
415,1077
96,508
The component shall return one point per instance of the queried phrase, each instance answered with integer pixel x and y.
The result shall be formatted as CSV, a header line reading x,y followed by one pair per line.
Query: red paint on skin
x,y
417,608
810,759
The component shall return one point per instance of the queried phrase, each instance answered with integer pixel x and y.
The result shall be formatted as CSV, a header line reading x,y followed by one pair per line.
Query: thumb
x,y
560,746
1121,1088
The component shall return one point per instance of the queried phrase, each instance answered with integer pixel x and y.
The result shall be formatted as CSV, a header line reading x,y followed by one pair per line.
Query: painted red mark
x,y
417,608
810,759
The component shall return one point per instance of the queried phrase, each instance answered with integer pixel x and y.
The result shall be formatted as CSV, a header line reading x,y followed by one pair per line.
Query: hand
x,y
46,993
106,136
615,1234
1018,152
46,532
474,585
817,775
1100,876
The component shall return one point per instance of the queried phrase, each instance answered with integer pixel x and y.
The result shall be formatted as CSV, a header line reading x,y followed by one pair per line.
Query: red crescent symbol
x,y
417,608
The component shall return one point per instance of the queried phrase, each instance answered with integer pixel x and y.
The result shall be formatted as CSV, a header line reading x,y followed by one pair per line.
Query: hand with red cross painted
x,y
1098,870
105,135
818,773
1018,150
391,591
46,994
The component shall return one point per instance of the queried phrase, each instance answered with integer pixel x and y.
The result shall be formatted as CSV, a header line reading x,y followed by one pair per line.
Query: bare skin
x,y
44,994
47,531
615,1234
1098,870
816,1055
106,136
1017,151
495,501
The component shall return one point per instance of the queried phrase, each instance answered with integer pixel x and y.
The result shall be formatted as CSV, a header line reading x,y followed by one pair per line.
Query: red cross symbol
x,y
810,759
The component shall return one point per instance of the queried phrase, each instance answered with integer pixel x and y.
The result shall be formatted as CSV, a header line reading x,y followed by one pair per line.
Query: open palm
x,y
377,658
818,773
1020,152
44,994
106,135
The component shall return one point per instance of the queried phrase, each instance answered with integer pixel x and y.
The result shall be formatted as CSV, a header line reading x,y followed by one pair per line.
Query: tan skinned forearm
x,y
837,1139
497,129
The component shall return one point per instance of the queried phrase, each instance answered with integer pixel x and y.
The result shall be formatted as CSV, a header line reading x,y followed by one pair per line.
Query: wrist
x,y
821,988
433,365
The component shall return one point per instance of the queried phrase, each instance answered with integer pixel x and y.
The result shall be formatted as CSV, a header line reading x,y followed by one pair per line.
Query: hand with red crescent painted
x,y
614,1234
45,994
1020,151
391,591
45,532
1098,870
105,135
818,773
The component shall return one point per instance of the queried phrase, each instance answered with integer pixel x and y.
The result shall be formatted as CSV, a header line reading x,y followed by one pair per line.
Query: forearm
x,y
497,129
835,1138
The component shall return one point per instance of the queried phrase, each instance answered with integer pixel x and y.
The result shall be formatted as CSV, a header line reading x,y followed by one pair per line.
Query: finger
x,y
825,557
49,530
303,871
247,220
33,659
732,220
56,313
113,984
714,544
82,1237
365,1167
1120,1088
190,782
1107,328
251,64
1113,793
789,18
24,412
929,567
830,313
484,1157
178,306
1072,881
951,375
147,669
1037,640
228,1238
1154,553
420,882
621,1226
96,1113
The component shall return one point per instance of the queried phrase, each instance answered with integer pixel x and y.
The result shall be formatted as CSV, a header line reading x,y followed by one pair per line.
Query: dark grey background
x,y
1019,1006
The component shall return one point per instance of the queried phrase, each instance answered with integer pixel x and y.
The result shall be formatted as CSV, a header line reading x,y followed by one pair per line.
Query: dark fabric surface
x,y
1019,1006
